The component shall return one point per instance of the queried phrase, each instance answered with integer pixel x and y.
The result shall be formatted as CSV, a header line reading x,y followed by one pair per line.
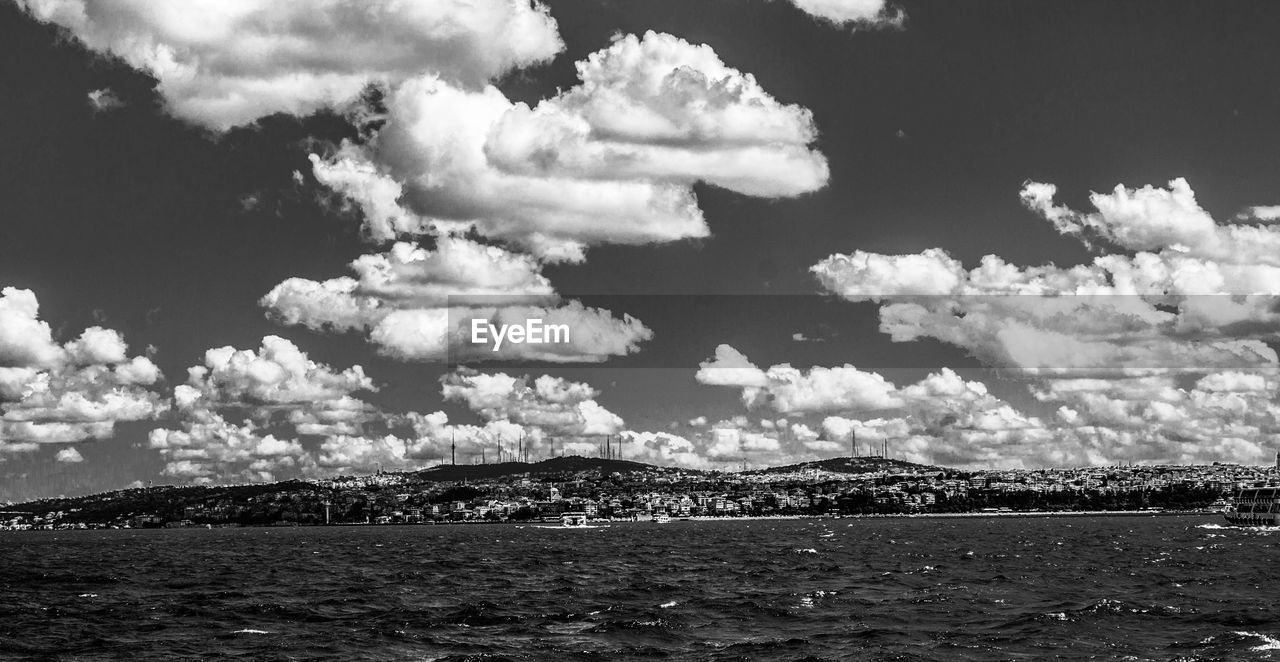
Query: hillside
x,y
171,501
449,473
851,465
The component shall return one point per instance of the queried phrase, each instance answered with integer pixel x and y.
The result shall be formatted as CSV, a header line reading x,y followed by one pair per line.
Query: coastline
x,y
695,518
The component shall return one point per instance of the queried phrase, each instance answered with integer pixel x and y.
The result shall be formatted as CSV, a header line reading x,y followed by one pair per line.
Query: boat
x,y
573,520
1255,506
661,518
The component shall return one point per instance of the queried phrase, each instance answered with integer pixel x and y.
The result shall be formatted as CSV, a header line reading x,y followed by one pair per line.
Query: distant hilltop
x,y
607,487
173,500
852,465
573,463
576,463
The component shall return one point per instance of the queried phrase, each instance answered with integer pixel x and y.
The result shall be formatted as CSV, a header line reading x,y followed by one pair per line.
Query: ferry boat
x,y
661,518
1255,506
574,520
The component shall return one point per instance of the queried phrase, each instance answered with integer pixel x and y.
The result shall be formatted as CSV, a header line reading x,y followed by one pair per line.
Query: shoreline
x,y
695,518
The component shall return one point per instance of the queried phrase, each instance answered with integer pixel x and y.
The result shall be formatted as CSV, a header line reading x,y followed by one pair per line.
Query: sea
x,y
925,588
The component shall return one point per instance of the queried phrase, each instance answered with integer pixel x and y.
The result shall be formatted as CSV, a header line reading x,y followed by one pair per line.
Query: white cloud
x,y
436,334
221,63
790,390
277,373
1261,214
1234,381
861,13
343,454
376,194
730,367
662,449
97,345
69,456
1201,301
25,340
409,277
822,389
611,160
556,406
418,305
51,393
1154,219
863,275
1107,341
210,449
103,100
279,393
661,109
942,419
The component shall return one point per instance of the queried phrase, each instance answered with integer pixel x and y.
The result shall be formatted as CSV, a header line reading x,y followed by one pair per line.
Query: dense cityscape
x,y
607,489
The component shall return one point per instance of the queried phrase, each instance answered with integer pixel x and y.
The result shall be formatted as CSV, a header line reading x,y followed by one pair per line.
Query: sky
x,y
244,242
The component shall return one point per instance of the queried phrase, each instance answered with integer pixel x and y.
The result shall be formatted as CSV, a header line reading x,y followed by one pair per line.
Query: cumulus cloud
x,y
1260,214
273,413
663,449
25,340
858,13
947,419
658,108
1221,416
790,390
1173,295
557,406
278,373
57,393
419,305
210,449
103,100
221,64
729,367
69,456
611,160
1157,219
728,444
278,393
1197,295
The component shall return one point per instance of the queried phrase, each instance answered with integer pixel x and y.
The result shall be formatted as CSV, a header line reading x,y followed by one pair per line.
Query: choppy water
x,y
1152,588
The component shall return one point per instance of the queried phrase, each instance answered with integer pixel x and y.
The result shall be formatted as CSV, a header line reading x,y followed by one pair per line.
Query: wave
x,y
1269,643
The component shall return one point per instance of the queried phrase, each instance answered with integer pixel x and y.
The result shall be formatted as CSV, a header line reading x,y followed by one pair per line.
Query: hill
x,y
851,465
573,463
174,503
170,501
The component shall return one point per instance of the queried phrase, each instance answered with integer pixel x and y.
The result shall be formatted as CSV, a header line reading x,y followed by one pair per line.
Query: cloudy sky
x,y
240,241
